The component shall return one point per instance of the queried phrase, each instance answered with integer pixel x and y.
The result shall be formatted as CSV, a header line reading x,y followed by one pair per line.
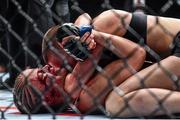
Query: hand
x,y
88,39
57,72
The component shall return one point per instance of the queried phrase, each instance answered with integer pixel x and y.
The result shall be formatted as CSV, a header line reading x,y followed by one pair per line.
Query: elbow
x,y
138,58
85,102
142,53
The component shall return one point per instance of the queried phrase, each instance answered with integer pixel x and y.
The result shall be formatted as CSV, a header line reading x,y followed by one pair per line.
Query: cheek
x,y
53,94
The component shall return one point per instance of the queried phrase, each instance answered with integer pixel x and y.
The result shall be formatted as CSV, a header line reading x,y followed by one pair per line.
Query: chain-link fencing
x,y
23,24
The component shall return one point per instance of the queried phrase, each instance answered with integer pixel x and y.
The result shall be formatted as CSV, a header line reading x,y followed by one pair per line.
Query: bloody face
x,y
33,86
48,82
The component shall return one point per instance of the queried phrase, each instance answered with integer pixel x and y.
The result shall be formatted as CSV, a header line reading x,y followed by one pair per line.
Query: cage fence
x,y
23,24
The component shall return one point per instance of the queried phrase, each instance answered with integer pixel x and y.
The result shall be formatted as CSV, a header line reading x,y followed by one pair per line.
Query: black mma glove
x,y
74,47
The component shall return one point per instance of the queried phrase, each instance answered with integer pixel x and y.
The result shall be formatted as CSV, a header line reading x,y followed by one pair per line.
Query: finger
x,y
45,68
40,75
88,41
65,40
52,70
77,38
44,76
92,36
85,36
92,45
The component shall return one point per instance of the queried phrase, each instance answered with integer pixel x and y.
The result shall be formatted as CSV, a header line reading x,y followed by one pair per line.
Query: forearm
x,y
81,73
83,70
118,45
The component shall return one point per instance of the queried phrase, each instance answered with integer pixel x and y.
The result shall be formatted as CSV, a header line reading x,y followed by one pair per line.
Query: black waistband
x,y
176,45
137,29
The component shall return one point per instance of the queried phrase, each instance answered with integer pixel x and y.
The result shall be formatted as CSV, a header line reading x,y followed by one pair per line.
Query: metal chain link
x,y
106,4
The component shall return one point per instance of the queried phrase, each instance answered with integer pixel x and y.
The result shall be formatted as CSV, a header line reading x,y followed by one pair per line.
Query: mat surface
x,y
8,111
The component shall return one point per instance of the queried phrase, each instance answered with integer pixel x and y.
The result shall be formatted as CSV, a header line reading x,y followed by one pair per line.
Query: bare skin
x,y
159,40
155,36
49,80
158,78
99,82
2,68
144,102
56,60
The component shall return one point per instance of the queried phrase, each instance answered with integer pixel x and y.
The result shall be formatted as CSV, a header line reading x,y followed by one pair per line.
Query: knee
x,y
174,63
141,53
138,100
142,102
113,104
85,102
138,58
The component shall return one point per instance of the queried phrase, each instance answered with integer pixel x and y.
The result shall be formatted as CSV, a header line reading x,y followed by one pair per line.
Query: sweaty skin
x,y
105,23
33,83
160,35
95,83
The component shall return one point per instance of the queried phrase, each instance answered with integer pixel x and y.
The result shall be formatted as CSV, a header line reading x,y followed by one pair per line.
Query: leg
x,y
144,102
154,77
